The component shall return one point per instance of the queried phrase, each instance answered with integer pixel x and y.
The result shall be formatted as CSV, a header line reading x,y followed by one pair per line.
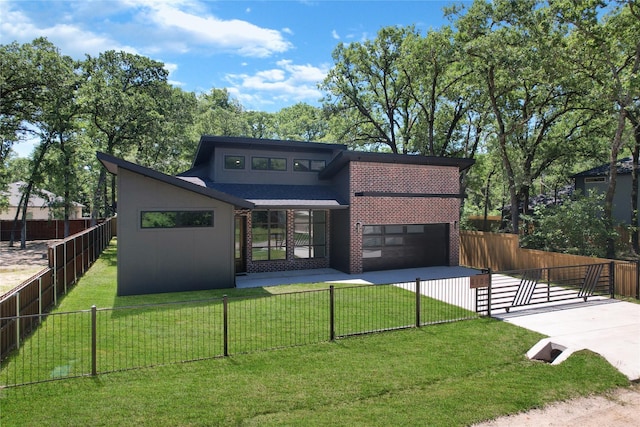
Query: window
x,y
306,165
268,235
596,180
176,219
310,234
268,163
234,162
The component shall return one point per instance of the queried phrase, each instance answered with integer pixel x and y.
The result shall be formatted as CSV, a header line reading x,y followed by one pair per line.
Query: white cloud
x,y
71,39
335,35
286,84
235,35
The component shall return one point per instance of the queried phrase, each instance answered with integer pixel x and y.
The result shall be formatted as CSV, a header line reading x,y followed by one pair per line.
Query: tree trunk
x,y
635,242
611,188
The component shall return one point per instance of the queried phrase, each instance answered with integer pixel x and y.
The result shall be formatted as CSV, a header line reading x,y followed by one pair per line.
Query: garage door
x,y
387,247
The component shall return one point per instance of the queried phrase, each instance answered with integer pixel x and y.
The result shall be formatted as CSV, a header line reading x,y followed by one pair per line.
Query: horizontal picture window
x,y
176,219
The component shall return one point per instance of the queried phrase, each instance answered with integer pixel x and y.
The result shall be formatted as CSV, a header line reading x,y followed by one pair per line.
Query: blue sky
x,y
268,54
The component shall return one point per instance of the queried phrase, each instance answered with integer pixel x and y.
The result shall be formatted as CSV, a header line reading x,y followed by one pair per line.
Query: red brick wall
x,y
398,178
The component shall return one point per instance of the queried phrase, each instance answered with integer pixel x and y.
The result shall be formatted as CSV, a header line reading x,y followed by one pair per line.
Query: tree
x,y
516,51
610,60
168,147
219,114
368,90
574,226
122,97
22,80
301,122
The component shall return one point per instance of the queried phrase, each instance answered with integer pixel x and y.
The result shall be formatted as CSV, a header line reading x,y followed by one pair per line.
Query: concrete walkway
x,y
610,328
330,275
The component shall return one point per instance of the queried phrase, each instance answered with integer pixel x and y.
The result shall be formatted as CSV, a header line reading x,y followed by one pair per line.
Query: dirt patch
x,y
618,408
17,265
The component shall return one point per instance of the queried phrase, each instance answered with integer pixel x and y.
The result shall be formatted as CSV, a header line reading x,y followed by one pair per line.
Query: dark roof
x,y
192,184
345,157
209,142
291,196
623,167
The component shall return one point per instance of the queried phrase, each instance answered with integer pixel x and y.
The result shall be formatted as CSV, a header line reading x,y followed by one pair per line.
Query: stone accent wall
x,y
397,178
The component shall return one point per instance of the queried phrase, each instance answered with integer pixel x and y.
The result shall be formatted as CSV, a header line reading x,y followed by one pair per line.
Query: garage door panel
x,y
405,246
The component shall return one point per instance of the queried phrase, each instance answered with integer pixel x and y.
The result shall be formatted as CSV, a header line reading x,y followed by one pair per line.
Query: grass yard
x,y
449,374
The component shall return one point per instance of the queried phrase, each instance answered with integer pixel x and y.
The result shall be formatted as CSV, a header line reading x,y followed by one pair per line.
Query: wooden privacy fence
x,y
22,309
502,252
41,229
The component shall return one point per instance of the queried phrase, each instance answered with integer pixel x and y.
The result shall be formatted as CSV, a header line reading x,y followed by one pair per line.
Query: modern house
x,y
598,179
252,205
43,204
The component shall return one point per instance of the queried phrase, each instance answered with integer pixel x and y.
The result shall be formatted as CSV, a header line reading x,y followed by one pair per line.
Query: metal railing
x,y
101,340
507,290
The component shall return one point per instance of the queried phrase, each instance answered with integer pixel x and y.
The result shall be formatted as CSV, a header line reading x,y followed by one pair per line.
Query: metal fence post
x,y
612,279
18,320
637,279
489,289
94,341
332,323
225,324
418,299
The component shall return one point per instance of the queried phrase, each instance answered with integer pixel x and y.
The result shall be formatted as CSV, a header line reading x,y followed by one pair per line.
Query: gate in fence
x,y
507,290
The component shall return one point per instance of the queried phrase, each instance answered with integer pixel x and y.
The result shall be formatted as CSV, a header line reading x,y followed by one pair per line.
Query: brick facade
x,y
417,181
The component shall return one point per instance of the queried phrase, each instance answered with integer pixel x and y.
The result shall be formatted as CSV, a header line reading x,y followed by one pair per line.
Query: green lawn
x,y
449,374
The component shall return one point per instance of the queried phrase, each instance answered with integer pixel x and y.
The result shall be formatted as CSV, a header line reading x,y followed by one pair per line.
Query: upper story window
x,y
234,162
268,163
306,165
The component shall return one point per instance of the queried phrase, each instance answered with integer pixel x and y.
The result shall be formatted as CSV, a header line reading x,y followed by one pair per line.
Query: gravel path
x,y
619,408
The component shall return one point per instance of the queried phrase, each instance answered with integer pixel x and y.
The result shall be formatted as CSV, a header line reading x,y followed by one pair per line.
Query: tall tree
x,y
122,98
367,88
301,122
610,60
219,114
516,51
22,80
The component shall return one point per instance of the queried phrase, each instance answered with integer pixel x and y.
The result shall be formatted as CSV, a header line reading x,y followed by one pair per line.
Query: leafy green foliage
x,y
575,227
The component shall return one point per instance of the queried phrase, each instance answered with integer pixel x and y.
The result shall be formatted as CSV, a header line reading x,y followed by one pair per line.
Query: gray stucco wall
x,y
170,260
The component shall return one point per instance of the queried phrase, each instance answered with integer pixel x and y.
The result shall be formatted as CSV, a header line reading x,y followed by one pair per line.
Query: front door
x,y
240,243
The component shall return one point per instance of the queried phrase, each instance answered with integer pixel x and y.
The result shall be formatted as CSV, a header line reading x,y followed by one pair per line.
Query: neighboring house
x,y
42,204
598,179
250,205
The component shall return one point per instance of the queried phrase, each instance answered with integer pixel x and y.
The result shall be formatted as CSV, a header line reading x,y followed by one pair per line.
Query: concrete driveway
x,y
610,328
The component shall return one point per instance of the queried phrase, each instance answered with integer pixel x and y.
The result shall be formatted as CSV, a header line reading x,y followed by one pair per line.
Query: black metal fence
x,y
100,340
507,290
